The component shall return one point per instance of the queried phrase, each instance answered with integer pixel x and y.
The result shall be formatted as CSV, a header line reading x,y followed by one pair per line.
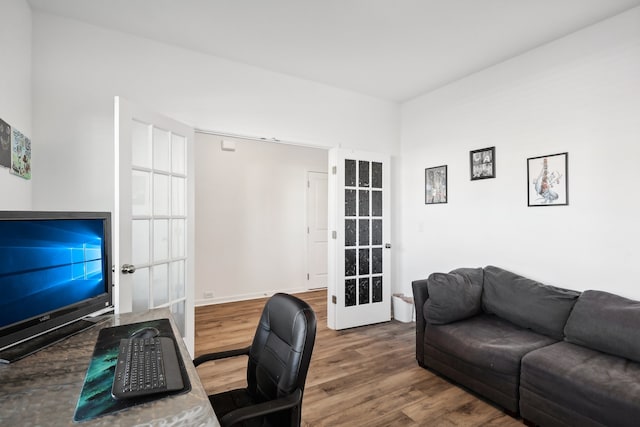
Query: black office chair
x,y
277,368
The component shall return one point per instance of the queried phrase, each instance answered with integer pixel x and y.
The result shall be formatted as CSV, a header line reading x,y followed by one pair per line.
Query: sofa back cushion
x,y
454,296
475,275
527,303
606,322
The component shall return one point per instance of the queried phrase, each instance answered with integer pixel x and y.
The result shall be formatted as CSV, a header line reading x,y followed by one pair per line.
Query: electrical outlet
x,y
208,294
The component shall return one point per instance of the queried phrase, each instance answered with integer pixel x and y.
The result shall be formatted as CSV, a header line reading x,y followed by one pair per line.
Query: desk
x,y
43,388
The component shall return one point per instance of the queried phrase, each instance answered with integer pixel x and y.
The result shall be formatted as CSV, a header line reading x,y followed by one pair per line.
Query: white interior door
x,y
317,226
154,226
359,288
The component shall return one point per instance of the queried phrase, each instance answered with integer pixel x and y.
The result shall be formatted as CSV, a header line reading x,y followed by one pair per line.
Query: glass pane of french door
x,y
158,219
363,243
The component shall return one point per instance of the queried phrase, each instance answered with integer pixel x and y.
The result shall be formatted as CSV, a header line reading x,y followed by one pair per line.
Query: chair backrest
x,y
281,350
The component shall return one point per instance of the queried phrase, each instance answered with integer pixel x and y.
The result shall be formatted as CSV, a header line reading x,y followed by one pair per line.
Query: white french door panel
x,y
317,226
153,219
359,288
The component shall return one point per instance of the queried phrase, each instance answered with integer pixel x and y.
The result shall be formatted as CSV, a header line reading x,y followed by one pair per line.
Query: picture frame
x,y
435,185
482,163
548,180
20,154
5,144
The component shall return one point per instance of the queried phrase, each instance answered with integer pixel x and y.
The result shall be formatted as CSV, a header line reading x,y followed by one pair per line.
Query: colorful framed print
x,y
547,180
20,154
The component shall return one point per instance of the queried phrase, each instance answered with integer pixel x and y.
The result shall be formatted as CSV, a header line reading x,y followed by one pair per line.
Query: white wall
x,y
251,217
78,68
15,101
580,94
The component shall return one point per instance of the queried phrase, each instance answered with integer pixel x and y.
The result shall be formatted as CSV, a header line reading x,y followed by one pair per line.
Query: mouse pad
x,y
95,398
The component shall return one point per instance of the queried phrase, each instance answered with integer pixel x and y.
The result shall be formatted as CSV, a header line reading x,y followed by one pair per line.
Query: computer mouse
x,y
146,332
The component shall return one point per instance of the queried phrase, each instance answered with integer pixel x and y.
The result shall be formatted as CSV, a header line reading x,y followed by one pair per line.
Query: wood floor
x,y
365,376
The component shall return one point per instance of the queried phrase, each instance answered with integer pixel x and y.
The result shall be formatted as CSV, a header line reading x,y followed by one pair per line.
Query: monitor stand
x,y
25,348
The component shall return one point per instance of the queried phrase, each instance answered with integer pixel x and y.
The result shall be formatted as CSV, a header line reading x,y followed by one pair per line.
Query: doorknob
x,y
128,269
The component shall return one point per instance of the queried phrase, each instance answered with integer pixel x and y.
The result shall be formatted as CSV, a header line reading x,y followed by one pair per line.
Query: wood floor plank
x,y
365,376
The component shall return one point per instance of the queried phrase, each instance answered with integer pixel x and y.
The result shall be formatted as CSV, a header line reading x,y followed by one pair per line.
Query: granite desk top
x,y
43,388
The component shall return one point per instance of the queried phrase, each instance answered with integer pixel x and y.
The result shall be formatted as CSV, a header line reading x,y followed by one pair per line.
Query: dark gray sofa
x,y
556,356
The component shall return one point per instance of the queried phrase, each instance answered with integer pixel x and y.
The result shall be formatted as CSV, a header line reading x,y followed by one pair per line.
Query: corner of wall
x,y
16,100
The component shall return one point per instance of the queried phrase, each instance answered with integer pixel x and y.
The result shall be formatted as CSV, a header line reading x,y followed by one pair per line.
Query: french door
x,y
359,256
154,215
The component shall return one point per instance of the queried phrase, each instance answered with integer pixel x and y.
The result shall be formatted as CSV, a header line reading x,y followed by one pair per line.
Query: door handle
x,y
128,269
387,245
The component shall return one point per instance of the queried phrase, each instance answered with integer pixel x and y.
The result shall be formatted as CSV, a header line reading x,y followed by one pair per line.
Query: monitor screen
x,y
54,268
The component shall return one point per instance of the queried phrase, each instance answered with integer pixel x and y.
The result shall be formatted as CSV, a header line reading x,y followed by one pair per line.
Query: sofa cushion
x,y
475,275
452,297
500,388
596,385
486,341
606,322
527,303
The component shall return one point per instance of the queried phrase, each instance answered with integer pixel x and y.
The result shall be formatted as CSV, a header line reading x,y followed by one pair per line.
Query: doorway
x,y
251,217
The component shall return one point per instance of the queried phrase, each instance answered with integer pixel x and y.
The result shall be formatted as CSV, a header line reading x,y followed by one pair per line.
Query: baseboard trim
x,y
248,296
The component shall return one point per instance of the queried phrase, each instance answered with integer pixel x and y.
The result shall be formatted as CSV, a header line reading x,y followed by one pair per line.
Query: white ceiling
x,y
390,49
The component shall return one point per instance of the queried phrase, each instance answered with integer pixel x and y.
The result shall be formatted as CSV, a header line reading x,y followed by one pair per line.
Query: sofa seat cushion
x,y
597,385
486,341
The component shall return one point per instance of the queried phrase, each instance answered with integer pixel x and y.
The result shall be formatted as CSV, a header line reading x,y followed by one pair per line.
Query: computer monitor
x,y
55,269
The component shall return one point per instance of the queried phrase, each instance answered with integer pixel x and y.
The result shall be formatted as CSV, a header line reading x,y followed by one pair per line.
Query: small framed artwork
x,y
20,154
5,144
547,180
483,163
435,185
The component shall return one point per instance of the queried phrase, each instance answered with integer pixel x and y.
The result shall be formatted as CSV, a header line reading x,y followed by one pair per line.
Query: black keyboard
x,y
146,366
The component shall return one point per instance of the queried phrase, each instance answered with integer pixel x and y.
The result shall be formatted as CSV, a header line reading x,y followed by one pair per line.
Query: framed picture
x,y
20,154
483,163
5,144
547,180
435,187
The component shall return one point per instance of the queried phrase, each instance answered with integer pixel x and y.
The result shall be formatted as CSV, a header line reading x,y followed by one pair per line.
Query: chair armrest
x,y
261,409
420,296
221,355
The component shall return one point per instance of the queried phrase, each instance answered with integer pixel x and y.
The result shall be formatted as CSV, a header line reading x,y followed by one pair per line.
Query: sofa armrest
x,y
420,296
